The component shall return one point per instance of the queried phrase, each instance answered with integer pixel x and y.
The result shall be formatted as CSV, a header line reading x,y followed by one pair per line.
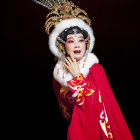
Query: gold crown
x,y
65,10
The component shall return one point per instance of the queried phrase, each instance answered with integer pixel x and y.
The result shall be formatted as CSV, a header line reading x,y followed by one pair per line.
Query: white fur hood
x,y
61,75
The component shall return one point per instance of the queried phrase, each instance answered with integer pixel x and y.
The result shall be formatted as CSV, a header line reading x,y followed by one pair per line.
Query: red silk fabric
x,y
96,114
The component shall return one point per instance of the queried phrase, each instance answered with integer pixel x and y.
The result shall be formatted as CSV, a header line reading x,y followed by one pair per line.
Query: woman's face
x,y
75,46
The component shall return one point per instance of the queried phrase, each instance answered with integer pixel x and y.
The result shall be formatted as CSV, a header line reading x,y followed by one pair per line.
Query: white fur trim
x,y
67,23
59,71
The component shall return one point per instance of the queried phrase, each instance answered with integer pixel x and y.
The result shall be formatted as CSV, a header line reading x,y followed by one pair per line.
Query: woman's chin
x,y
78,58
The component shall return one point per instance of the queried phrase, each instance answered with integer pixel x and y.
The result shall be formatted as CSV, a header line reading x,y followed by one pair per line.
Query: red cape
x,y
85,120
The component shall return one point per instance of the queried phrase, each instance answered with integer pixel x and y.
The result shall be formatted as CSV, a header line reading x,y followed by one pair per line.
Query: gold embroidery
x,y
104,123
81,88
66,112
64,90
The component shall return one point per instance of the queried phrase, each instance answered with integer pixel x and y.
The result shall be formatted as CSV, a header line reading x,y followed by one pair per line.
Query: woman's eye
x,y
82,40
70,41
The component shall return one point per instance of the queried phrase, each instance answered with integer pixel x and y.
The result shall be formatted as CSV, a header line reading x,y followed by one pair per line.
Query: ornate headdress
x,y
63,15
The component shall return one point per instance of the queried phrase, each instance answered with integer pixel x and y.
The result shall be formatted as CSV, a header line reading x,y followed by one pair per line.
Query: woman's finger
x,y
69,69
65,65
72,58
67,61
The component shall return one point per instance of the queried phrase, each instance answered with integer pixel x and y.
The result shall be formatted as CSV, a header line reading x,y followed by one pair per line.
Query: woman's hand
x,y
72,66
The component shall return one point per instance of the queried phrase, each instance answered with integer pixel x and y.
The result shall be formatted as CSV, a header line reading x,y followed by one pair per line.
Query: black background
x,y
30,107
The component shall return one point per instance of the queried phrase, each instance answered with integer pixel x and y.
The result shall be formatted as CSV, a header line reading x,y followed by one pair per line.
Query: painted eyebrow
x,y
80,37
70,38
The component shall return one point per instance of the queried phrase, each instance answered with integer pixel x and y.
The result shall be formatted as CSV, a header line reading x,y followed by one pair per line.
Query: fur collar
x,y
61,75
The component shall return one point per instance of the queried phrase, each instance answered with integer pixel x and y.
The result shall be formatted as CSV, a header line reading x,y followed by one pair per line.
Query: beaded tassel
x,y
85,60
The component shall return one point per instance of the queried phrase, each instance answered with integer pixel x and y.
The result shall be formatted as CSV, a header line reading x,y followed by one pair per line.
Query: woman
x,y
80,84
88,102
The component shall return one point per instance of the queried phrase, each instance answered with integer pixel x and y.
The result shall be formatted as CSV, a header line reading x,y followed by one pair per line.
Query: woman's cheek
x,y
83,46
69,47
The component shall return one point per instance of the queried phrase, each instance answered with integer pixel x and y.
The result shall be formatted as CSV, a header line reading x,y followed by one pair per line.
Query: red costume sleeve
x,y
80,88
65,100
100,117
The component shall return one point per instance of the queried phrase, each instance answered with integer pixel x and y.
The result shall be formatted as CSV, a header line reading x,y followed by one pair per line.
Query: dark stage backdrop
x,y
30,107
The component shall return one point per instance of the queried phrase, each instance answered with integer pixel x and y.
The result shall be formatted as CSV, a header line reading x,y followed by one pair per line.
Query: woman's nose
x,y
76,45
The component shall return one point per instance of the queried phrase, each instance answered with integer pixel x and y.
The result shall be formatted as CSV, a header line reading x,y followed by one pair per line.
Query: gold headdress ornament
x,y
61,10
64,14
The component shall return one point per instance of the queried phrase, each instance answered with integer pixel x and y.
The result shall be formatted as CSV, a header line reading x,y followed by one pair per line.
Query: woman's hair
x,y
62,38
